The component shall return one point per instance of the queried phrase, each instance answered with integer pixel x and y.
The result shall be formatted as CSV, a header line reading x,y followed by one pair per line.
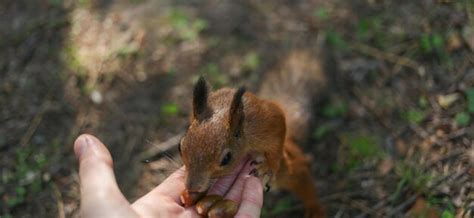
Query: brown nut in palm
x,y
190,198
204,205
223,209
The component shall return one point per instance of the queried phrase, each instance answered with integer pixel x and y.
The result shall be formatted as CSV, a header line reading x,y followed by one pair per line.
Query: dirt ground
x,y
393,134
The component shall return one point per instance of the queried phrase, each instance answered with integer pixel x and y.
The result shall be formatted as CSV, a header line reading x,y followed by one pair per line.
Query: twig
x,y
452,154
412,198
419,131
158,149
59,201
374,208
35,122
370,110
360,206
339,195
399,60
402,206
339,213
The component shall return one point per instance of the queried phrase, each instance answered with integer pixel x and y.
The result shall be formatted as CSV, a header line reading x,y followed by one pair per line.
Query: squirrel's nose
x,y
196,188
197,184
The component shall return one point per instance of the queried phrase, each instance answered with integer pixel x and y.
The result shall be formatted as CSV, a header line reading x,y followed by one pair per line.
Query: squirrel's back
x,y
294,85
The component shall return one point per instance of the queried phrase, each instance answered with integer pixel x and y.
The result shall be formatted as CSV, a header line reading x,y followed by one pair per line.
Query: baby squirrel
x,y
229,124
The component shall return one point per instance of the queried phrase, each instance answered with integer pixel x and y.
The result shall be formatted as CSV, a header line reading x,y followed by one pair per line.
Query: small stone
x,y
46,177
96,97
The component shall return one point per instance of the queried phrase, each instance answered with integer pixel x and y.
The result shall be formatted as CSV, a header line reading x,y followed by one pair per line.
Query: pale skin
x,y
101,196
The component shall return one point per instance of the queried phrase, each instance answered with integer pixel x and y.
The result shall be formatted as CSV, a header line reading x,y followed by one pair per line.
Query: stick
x,y
35,122
390,57
158,149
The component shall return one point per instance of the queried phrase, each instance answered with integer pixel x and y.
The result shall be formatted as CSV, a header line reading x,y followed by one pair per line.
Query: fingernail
x,y
81,145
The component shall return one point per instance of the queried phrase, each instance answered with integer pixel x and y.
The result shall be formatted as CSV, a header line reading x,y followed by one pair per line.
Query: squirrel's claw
x,y
262,171
267,187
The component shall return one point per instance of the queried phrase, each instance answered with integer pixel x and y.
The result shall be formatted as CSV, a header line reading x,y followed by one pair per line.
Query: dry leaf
x,y
445,101
385,166
468,34
401,147
422,209
454,42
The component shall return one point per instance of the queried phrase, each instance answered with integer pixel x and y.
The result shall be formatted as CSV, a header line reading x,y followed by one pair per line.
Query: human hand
x,y
101,196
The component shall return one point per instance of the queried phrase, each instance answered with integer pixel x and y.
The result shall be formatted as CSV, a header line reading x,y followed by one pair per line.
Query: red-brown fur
x,y
265,134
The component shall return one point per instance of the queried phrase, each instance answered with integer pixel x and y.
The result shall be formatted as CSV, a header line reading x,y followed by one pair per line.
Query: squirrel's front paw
x,y
264,172
216,206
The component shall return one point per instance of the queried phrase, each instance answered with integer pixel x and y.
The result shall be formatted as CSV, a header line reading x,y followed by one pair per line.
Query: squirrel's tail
x,y
294,85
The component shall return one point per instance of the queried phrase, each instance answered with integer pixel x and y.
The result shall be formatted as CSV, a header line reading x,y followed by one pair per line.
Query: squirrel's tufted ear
x,y
200,106
236,113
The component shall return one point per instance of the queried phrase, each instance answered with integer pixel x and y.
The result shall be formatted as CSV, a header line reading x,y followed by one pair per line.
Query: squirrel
x,y
228,124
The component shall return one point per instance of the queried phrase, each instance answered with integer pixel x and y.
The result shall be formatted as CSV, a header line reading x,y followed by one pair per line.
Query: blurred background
x,y
393,133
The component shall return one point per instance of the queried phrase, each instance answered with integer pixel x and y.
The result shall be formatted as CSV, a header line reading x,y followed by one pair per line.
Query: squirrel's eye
x,y
226,159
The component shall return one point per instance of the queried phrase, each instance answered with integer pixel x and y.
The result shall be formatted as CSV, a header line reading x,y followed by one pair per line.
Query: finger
x,y
100,195
171,188
166,195
252,198
223,184
235,192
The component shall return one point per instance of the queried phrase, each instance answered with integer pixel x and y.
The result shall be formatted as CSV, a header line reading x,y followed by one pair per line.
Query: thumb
x,y
100,195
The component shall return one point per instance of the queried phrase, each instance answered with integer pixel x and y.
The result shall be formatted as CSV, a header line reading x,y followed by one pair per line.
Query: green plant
x,y
334,109
280,206
423,102
26,175
186,28
447,214
360,147
435,44
56,3
414,116
321,131
414,177
462,118
128,50
251,61
336,40
470,100
431,43
84,3
321,13
169,109
214,75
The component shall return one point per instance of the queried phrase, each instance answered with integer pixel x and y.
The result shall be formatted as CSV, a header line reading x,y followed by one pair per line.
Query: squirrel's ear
x,y
200,95
236,113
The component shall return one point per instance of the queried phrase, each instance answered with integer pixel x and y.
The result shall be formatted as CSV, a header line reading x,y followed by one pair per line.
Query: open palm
x,y
101,197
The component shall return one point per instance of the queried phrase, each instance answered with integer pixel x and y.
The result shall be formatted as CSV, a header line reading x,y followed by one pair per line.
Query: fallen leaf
x,y
421,208
445,101
454,42
468,35
401,147
385,166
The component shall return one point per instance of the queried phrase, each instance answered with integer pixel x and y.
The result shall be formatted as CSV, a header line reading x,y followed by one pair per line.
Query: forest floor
x,y
393,133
